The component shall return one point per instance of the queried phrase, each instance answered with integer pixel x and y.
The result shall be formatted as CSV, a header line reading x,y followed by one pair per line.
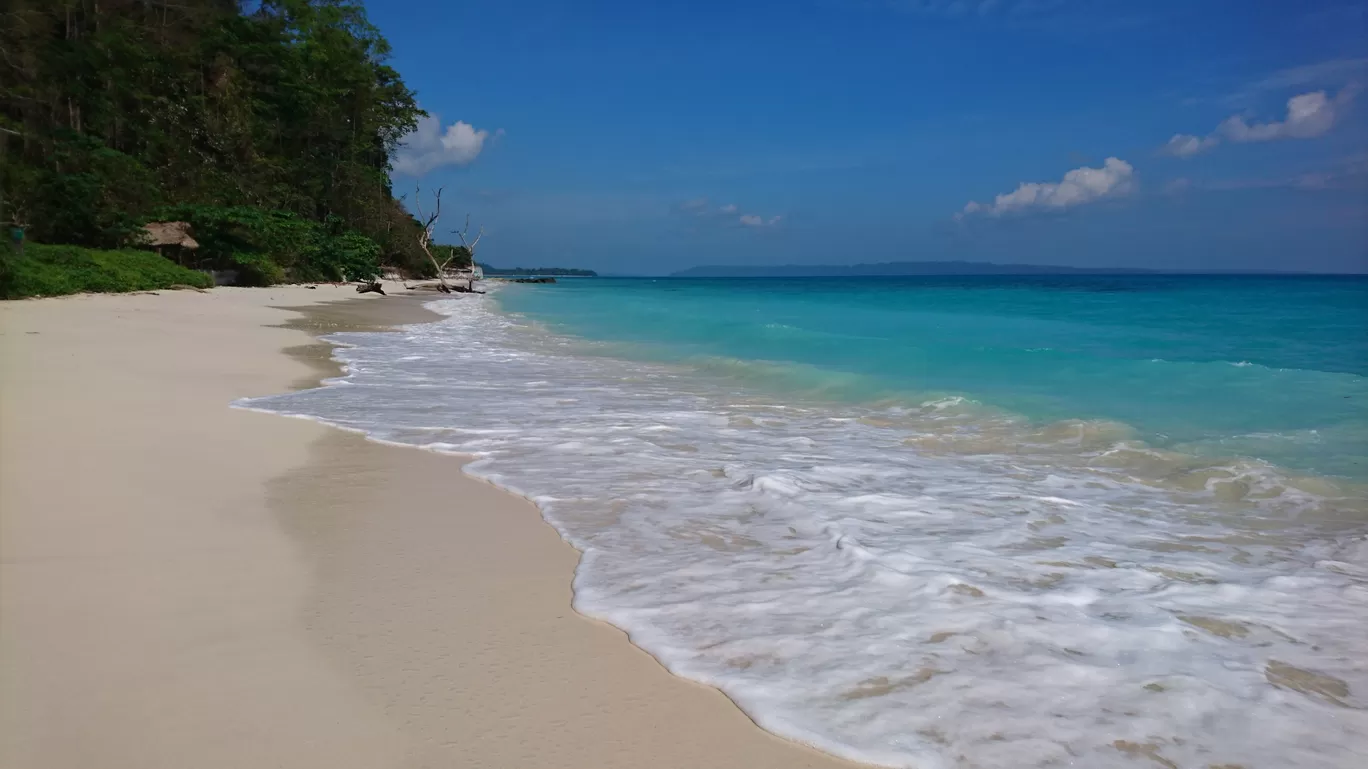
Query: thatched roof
x,y
170,234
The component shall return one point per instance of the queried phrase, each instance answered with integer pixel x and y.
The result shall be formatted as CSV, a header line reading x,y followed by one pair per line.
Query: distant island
x,y
567,272
895,269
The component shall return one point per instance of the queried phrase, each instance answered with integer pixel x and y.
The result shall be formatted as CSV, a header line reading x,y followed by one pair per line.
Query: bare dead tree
x,y
470,249
429,223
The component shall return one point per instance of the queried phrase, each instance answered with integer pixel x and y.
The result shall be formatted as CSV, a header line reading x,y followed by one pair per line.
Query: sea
x,y
1000,521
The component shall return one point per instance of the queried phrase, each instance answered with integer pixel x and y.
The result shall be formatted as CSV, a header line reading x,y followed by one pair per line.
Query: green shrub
x,y
256,269
347,256
44,270
268,247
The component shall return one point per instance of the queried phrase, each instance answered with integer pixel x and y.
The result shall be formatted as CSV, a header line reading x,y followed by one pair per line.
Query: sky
x,y
647,137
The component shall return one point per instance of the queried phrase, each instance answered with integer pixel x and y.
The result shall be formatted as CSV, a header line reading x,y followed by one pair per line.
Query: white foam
x,y
1012,606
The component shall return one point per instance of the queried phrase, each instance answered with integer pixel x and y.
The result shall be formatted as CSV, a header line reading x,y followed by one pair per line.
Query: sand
x,y
183,584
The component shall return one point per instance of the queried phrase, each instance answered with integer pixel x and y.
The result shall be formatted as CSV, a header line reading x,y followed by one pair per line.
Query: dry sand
x,y
187,585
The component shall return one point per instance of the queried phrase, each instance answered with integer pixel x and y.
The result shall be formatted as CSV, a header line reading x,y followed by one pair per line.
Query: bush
x,y
55,270
256,269
269,247
348,256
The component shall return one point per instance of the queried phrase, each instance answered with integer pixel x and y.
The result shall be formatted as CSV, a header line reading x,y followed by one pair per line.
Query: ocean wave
x,y
921,582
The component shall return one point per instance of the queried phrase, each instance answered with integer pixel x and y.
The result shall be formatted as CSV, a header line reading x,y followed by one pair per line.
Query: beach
x,y
994,521
183,583
357,415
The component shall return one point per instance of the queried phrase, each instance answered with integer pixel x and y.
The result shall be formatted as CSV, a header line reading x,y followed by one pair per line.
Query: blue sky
x,y
645,137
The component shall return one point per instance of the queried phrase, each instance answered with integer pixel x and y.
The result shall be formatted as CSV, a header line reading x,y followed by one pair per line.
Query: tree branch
x,y
429,223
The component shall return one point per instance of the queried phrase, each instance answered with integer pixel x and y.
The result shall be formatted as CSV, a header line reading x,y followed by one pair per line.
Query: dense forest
x,y
268,125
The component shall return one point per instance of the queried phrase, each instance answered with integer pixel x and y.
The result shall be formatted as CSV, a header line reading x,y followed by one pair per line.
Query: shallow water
x,y
906,561
1257,366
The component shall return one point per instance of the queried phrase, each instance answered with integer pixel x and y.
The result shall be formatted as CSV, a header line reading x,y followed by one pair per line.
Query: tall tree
x,y
114,108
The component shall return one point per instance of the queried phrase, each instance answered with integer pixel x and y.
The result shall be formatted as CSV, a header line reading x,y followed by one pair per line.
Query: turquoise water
x,y
1261,367
936,523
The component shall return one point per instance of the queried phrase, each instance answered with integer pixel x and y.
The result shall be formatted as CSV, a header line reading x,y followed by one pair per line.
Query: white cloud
x,y
703,208
1308,115
1187,145
755,220
430,146
1079,186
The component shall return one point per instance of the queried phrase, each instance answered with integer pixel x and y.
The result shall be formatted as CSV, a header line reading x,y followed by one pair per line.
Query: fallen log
x,y
445,288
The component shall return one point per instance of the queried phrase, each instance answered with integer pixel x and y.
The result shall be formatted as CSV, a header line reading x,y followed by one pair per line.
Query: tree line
x,y
268,125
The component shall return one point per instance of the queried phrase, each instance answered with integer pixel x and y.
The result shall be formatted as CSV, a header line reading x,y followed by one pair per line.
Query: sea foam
x,y
923,584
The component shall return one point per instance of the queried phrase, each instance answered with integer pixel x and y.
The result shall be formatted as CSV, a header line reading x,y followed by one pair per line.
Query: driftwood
x,y
373,287
444,288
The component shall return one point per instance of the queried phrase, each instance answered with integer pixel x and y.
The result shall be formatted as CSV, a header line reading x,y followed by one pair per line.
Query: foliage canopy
x,y
269,125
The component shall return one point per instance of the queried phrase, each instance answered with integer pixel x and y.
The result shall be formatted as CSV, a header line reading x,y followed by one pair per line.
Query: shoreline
x,y
687,571
228,588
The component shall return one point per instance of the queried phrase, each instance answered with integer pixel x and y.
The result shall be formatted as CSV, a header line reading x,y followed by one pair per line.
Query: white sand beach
x,y
183,584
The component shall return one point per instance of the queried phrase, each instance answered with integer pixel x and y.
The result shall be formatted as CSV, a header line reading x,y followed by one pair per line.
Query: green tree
x,y
116,109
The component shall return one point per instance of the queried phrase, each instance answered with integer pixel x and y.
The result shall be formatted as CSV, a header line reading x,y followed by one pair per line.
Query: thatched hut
x,y
170,239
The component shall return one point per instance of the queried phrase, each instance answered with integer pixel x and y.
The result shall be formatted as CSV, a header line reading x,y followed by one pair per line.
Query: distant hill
x,y
567,272
892,269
